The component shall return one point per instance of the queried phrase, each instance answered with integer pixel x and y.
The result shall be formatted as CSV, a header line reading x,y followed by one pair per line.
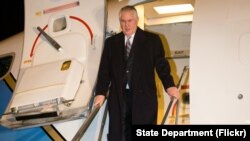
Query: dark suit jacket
x,y
148,57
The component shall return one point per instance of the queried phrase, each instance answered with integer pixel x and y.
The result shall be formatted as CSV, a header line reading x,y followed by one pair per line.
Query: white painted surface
x,y
219,62
13,44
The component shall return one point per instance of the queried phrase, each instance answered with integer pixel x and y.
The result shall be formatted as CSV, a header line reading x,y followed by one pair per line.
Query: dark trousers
x,y
127,116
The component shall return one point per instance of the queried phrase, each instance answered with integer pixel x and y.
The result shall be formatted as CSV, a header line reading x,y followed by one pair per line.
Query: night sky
x,y
12,17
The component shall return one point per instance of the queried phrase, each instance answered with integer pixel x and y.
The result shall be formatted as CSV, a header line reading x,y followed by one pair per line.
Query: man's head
x,y
128,20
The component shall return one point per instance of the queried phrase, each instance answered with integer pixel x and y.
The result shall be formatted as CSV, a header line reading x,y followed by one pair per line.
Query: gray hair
x,y
128,8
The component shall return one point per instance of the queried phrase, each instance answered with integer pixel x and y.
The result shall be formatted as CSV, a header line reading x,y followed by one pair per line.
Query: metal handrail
x,y
103,122
185,69
86,123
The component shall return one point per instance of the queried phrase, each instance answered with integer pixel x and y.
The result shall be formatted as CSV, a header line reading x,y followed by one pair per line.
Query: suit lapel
x,y
121,66
137,50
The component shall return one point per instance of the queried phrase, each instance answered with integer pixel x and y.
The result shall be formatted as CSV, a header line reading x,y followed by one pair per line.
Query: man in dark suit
x,y
129,75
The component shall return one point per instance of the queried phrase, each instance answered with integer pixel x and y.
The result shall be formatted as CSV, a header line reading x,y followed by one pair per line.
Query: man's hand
x,y
99,99
173,92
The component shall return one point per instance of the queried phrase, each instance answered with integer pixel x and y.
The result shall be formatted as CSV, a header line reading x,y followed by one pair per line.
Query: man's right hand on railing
x,y
99,99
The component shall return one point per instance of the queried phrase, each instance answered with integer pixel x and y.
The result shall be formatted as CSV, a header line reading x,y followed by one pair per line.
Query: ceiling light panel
x,y
174,9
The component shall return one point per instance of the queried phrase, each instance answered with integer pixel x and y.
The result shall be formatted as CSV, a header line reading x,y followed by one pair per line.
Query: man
x,y
129,76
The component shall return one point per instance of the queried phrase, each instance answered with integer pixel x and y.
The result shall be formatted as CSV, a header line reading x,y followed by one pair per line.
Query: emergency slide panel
x,y
59,82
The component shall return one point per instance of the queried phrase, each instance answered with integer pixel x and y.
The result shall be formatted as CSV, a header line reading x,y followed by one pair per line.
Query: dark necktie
x,y
128,46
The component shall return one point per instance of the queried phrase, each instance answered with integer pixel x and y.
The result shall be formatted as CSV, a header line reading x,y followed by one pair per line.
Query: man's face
x,y
128,22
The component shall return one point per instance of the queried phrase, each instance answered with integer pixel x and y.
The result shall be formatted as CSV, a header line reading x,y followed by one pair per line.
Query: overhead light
x,y
174,8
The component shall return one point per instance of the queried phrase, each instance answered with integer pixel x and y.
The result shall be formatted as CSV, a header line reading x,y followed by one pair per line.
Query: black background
x,y
11,17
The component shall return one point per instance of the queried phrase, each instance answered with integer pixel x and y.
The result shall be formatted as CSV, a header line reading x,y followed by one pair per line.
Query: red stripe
x,y
85,24
62,7
33,46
